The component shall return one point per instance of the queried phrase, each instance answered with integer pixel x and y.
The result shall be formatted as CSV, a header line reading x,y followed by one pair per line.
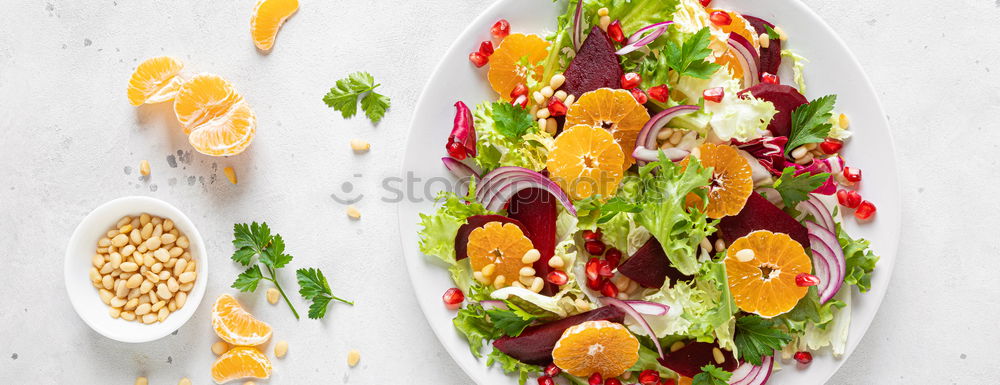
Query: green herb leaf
x,y
711,375
796,188
256,240
274,255
771,33
510,120
247,281
344,97
758,337
314,287
249,240
689,58
510,322
811,122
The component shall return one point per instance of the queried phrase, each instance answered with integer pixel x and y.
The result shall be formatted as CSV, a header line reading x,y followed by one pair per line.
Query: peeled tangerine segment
x,y
592,347
585,160
616,111
765,284
217,118
237,326
502,245
241,362
507,67
268,16
155,80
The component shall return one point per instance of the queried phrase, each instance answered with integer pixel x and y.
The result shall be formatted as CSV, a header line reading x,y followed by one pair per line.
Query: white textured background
x,y
70,141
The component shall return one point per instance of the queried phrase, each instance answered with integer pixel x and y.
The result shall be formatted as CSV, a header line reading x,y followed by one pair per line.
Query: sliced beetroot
x,y
688,360
770,57
534,345
595,65
474,222
650,267
785,99
536,209
761,214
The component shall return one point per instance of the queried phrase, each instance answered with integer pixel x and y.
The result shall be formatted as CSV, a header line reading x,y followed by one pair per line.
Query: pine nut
x,y
141,381
153,243
556,262
353,357
499,281
605,22
145,287
272,295
538,97
602,12
128,316
745,255
108,282
134,293
799,152
488,270
569,100
167,239
144,167
129,266
192,265
123,221
131,304
147,231
95,275
119,240
359,145
720,244
179,267
764,40
717,354
183,242
547,92
161,255
527,271
518,284
112,233
144,219
127,250
220,347
125,229
149,318
162,315
104,242
153,298
561,95
114,312
805,159
353,212
184,381
557,81
117,302
156,221
151,277
781,33
676,137
188,276
542,113
281,348
164,275
142,309
551,126
180,299
144,299
705,244
525,280
676,346
531,256
168,225
172,305
157,230
479,277
172,285
163,291
537,284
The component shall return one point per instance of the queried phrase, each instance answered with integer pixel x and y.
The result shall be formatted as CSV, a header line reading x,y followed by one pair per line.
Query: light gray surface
x,y
70,141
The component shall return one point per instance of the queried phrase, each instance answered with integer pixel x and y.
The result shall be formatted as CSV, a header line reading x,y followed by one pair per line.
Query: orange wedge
x,y
495,251
614,110
592,347
155,80
217,119
241,362
585,160
514,60
235,325
761,269
731,182
268,16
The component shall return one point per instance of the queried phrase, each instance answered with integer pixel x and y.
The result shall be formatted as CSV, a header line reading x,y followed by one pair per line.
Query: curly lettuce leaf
x,y
511,365
860,260
743,118
438,230
702,308
473,323
798,65
498,144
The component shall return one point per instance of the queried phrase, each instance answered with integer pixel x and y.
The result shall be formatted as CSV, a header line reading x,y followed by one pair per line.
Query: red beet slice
x,y
595,65
536,209
785,99
770,57
474,222
650,267
534,345
760,214
688,360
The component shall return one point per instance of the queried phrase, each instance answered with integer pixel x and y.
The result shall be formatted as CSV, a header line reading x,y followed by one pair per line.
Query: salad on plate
x,y
646,201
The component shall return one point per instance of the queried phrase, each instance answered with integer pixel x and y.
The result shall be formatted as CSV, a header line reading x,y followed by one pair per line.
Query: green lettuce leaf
x,y
511,365
498,143
860,260
438,230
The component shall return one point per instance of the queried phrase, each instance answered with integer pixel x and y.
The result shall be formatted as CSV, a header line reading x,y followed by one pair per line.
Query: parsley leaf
x,y
771,33
248,280
689,58
758,337
344,97
274,256
510,120
711,375
314,287
796,188
811,123
509,322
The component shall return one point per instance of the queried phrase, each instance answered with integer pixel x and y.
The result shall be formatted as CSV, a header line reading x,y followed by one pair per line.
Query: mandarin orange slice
x,y
585,160
237,326
742,27
217,119
268,16
614,110
762,267
495,251
592,347
155,80
241,362
731,182
514,60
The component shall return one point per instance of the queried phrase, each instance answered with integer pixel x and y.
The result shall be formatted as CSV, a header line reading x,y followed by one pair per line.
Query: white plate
x,y
832,70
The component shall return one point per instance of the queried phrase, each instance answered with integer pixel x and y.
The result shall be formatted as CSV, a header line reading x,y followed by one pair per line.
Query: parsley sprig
x,y
689,59
344,97
758,337
711,375
313,286
796,188
811,122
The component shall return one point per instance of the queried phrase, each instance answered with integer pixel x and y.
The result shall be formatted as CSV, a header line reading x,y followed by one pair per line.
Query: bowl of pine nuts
x,y
136,269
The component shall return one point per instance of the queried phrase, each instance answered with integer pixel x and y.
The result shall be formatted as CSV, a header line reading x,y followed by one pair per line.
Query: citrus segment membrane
x,y
517,57
495,250
268,16
155,80
241,362
237,326
216,117
762,267
584,161
592,347
616,111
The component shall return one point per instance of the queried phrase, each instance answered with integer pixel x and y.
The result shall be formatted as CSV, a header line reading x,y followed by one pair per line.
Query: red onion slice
x,y
648,308
458,169
818,210
501,184
748,58
577,28
825,246
645,143
632,312
748,374
644,36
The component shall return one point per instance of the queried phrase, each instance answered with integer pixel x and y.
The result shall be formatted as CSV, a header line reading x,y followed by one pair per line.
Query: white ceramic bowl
x,y
81,249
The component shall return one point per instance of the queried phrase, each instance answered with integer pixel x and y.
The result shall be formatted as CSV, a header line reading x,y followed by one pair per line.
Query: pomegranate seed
x,y
803,358
612,381
720,18
649,377
615,31
552,370
631,80
519,89
604,269
594,247
852,174
595,284
478,59
660,93
831,145
639,95
595,379
453,298
545,380
769,78
592,268
714,94
455,149
556,107
609,289
591,235
865,210
849,199
613,256
486,48
557,277
705,3
501,29
806,280
520,101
